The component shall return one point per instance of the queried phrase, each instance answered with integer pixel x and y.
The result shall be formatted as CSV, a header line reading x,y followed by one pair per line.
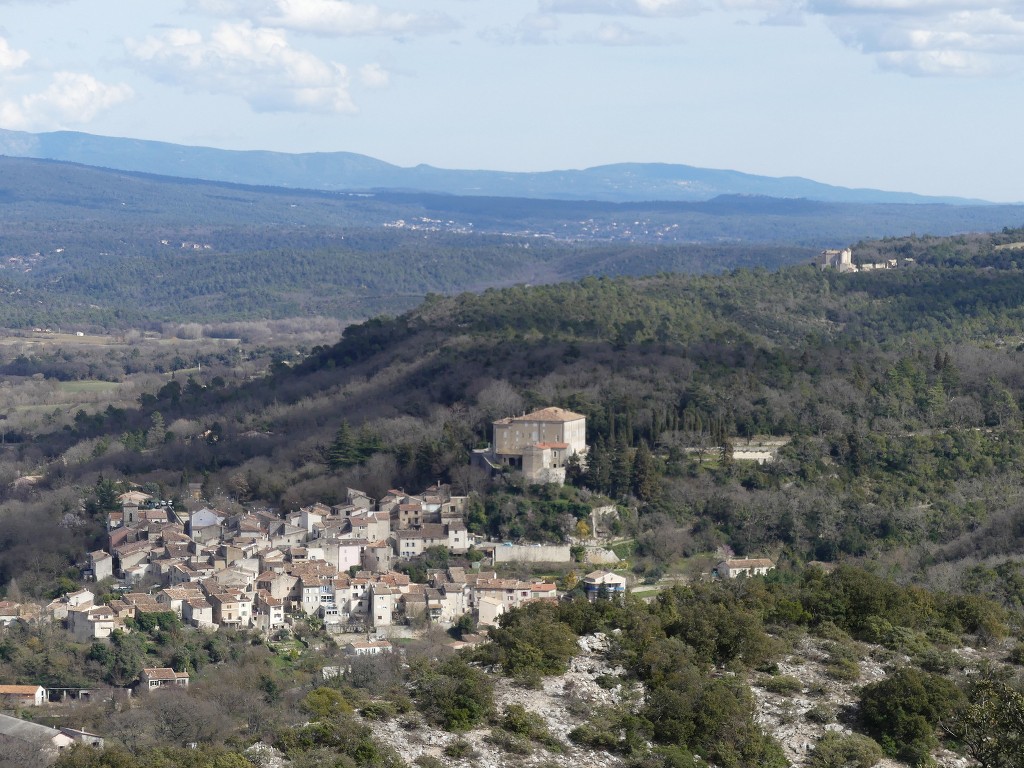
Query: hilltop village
x,y
263,569
259,570
331,568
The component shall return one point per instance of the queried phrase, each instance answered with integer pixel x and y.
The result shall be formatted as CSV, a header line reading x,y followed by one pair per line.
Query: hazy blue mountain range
x,y
622,182
104,210
116,249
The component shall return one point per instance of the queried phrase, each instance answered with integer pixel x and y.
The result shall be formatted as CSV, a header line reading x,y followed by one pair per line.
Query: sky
x,y
904,95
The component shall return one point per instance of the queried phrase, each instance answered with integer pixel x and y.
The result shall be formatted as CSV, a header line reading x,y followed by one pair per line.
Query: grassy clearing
x,y
87,385
623,549
183,372
289,649
645,592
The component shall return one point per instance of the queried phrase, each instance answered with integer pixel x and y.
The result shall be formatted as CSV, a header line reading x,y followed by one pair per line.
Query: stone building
x,y
539,443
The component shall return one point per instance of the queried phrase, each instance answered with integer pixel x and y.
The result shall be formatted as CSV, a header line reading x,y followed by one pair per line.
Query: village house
x,y
205,525
177,573
342,554
368,648
231,609
131,555
59,607
490,597
734,568
153,678
14,696
358,499
488,610
10,612
381,608
94,623
378,556
272,560
310,519
371,526
101,565
268,612
83,737
277,585
197,612
173,598
603,583
122,610
17,734
236,577
415,541
284,535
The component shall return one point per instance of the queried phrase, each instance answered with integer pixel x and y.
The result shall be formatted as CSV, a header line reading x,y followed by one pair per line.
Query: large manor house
x,y
538,444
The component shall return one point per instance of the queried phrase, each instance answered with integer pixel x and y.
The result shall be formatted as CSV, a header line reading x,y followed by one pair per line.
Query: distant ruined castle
x,y
842,261
835,259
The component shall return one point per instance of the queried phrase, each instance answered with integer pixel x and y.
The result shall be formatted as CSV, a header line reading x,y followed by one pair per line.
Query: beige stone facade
x,y
539,443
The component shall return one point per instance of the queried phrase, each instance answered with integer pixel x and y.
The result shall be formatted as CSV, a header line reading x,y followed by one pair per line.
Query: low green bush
x,y
844,670
510,743
838,750
785,685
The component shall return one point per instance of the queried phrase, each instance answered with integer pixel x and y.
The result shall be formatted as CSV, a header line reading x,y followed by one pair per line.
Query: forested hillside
x,y
893,399
899,393
107,250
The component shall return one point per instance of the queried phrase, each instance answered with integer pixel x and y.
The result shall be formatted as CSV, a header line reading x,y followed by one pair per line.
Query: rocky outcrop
x,y
559,701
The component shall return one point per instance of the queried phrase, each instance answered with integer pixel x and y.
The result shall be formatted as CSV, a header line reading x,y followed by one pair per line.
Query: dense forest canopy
x,y
893,401
897,393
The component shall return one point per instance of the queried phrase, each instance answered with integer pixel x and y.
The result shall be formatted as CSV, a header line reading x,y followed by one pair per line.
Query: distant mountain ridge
x,y
335,171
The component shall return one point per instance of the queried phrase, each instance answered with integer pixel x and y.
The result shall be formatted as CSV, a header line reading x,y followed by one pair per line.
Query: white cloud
x,y
626,7
217,7
917,37
614,33
899,7
340,17
770,12
330,18
10,58
72,98
254,63
931,37
374,76
534,29
932,63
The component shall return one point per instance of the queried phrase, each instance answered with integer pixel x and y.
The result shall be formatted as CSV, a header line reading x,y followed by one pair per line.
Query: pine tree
x,y
367,443
106,494
343,452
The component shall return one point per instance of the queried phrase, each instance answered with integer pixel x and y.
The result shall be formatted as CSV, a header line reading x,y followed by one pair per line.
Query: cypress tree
x,y
644,481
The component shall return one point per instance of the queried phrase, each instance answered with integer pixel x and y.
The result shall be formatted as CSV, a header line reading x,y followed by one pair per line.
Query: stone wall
x,y
546,553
